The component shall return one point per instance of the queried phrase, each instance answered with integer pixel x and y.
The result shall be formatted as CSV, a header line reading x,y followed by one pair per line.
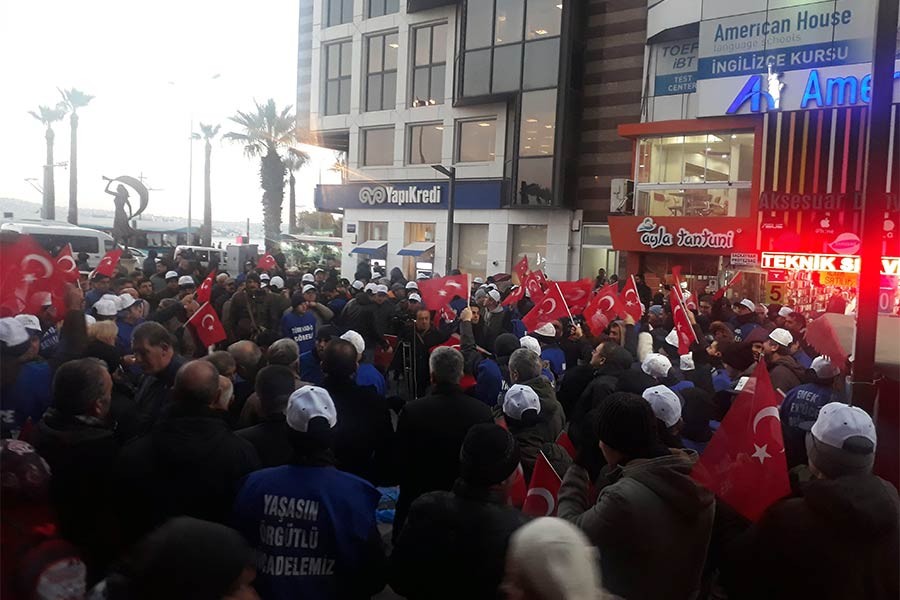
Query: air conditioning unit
x,y
622,196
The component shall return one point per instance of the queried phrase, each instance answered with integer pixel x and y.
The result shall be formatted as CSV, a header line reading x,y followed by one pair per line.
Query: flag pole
x,y
566,304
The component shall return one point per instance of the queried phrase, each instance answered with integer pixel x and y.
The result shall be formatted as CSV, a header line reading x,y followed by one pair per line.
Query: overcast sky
x,y
126,53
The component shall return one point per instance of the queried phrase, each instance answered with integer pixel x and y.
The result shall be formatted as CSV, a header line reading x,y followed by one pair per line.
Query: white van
x,y
53,235
202,254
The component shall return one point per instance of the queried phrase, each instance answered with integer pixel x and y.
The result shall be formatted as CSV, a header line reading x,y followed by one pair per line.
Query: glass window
x,y
541,64
425,143
535,181
378,147
471,258
339,11
476,140
479,19
543,19
694,201
337,78
507,67
381,80
477,75
530,241
429,54
538,123
379,8
372,230
508,21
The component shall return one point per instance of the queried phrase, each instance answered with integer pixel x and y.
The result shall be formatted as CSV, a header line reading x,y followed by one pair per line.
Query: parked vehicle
x,y
53,235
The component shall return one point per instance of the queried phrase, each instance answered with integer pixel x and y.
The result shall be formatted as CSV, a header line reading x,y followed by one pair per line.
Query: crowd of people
x,y
346,439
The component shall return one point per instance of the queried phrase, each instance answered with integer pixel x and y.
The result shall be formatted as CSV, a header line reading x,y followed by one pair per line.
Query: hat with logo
x,y
276,283
370,288
414,297
411,285
489,455
546,330
357,285
126,301
518,399
478,281
822,367
171,275
381,290
784,311
14,337
842,441
746,303
357,340
186,281
494,295
308,278
89,320
308,403
782,336
656,365
264,277
317,271
105,308
309,288
530,343
665,404
31,323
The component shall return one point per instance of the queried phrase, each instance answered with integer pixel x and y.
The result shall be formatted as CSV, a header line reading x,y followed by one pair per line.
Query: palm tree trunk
x,y
49,208
292,204
206,233
272,179
73,170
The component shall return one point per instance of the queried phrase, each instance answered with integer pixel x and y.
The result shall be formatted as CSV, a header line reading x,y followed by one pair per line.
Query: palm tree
x,y
48,116
209,132
265,131
73,100
293,162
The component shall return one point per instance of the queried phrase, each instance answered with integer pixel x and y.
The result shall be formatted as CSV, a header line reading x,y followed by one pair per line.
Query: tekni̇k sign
x,y
658,236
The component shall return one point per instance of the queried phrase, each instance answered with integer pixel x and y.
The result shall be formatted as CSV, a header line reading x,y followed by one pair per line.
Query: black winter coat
x,y
270,439
430,433
153,394
453,545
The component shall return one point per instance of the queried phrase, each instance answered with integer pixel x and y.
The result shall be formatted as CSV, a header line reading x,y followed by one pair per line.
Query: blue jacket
x,y
311,367
489,384
314,531
799,410
123,339
49,342
301,329
30,394
557,359
367,374
337,305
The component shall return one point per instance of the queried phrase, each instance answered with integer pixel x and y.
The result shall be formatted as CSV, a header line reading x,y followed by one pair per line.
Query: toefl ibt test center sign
x,y
763,55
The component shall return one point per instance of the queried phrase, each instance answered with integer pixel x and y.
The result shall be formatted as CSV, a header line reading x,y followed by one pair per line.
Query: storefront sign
x,y
834,263
695,235
419,194
676,67
886,299
838,279
775,292
776,276
744,259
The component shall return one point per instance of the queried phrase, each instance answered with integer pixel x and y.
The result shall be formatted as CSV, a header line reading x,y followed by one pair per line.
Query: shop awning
x,y
370,247
416,249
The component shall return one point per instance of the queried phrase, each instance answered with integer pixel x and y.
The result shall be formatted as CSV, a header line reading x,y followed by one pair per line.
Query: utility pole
x,y
450,172
875,204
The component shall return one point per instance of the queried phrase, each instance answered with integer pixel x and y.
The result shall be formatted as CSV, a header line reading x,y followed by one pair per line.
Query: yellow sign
x,y
775,292
838,279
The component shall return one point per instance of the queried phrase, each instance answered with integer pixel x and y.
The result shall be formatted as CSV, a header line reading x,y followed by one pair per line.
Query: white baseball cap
x,y
672,338
686,362
309,288
12,332
381,289
478,280
838,422
518,399
317,271
357,340
656,365
531,344
546,330
264,277
31,323
414,297
411,285
276,282
785,311
665,404
782,336
126,301
356,285
111,297
307,403
308,278
821,365
186,281
422,276
105,308
371,287
746,303
494,295
89,320
171,275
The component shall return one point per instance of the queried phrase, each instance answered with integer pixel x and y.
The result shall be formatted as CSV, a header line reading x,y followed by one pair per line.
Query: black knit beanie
x,y
739,356
489,455
506,344
627,424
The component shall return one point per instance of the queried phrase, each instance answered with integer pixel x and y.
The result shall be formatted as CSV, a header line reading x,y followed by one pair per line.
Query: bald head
x,y
197,385
246,355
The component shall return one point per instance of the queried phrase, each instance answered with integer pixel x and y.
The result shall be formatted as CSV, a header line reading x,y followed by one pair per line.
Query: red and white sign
x,y
687,235
824,262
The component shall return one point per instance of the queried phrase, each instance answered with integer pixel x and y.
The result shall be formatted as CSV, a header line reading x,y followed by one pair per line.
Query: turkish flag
x,y
521,269
108,263
542,494
535,283
734,281
632,299
514,297
603,308
437,293
206,287
28,277
207,325
686,333
266,262
576,293
565,442
744,463
65,264
552,306
518,492
676,277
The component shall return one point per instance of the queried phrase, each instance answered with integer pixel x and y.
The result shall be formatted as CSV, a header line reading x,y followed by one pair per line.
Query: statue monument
x,y
125,213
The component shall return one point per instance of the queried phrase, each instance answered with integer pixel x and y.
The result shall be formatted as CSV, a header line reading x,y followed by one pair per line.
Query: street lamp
x,y
450,172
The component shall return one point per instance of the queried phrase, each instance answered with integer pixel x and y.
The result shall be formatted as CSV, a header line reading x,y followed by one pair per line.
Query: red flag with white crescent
x,y
266,262
108,263
603,309
535,284
519,489
29,279
632,300
521,269
744,463
576,293
514,296
205,290
66,265
686,333
734,281
438,293
551,307
541,499
207,325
